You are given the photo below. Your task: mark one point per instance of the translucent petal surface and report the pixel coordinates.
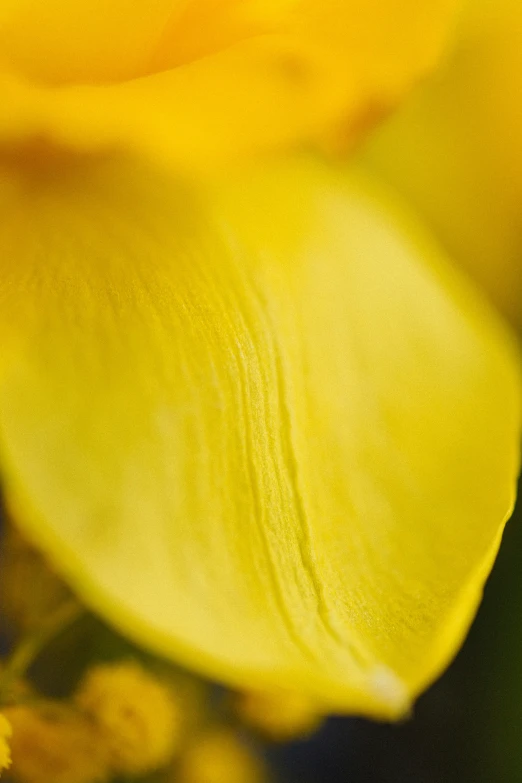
(263, 429)
(456, 150)
(204, 80)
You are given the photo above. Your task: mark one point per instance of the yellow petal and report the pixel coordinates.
(204, 81)
(456, 150)
(101, 42)
(263, 429)
(85, 41)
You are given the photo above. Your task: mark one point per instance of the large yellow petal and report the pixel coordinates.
(202, 81)
(456, 149)
(263, 428)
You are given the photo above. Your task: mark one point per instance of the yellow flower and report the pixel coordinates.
(255, 418)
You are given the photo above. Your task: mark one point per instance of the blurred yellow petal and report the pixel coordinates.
(84, 41)
(206, 80)
(456, 150)
(262, 427)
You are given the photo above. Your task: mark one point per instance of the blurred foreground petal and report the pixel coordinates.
(205, 81)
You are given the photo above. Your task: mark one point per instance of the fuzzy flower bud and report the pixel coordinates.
(52, 743)
(136, 716)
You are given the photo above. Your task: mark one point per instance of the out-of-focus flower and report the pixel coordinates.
(218, 756)
(455, 149)
(136, 716)
(255, 418)
(54, 743)
(278, 715)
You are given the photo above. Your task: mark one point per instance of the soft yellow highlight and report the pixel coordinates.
(135, 715)
(200, 82)
(456, 150)
(278, 715)
(5, 751)
(262, 427)
(218, 757)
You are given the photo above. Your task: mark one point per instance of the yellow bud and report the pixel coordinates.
(53, 744)
(136, 716)
(5, 733)
(219, 757)
(278, 715)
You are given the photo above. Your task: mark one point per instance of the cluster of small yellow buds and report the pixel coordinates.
(218, 756)
(52, 742)
(5, 733)
(279, 716)
(122, 721)
(136, 717)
